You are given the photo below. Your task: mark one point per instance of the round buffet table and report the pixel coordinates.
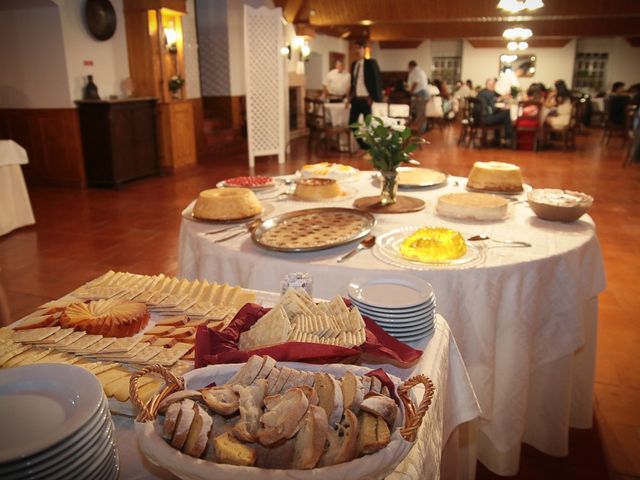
(15, 207)
(524, 318)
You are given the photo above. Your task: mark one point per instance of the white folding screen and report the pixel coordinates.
(264, 78)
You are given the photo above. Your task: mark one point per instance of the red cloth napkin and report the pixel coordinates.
(215, 347)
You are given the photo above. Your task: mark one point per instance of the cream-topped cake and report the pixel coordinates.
(337, 171)
(226, 204)
(495, 177)
(475, 206)
(317, 189)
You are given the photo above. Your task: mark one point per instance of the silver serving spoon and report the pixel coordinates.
(250, 227)
(367, 242)
(476, 238)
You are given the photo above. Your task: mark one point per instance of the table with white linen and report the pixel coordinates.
(15, 207)
(524, 319)
(454, 404)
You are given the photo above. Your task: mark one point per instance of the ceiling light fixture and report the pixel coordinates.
(523, 45)
(517, 33)
(512, 46)
(366, 22)
(515, 6)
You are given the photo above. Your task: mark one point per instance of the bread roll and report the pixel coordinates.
(311, 439)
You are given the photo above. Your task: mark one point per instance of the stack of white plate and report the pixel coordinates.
(403, 305)
(55, 424)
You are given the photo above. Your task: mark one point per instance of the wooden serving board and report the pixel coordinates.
(403, 204)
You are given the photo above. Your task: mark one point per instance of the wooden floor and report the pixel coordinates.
(82, 233)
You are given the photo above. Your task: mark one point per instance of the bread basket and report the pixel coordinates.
(377, 465)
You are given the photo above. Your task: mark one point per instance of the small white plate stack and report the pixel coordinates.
(55, 425)
(403, 305)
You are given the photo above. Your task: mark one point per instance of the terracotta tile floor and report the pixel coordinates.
(81, 234)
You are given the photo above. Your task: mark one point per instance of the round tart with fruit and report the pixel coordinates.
(257, 182)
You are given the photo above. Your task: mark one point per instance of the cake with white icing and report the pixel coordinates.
(495, 177)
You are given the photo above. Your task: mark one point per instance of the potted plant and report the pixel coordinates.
(390, 143)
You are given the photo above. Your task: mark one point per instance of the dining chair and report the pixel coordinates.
(567, 133)
(527, 126)
(475, 106)
(616, 123)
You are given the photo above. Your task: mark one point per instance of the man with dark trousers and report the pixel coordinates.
(488, 114)
(366, 87)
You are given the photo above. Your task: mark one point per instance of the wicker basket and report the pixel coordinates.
(372, 466)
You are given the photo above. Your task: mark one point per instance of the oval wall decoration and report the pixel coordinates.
(101, 19)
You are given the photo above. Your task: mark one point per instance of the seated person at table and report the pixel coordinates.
(447, 104)
(488, 114)
(399, 94)
(337, 83)
(558, 104)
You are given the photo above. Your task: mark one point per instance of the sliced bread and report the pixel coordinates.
(352, 392)
(311, 439)
(329, 396)
(381, 406)
(183, 424)
(170, 419)
(250, 405)
(282, 419)
(231, 451)
(343, 442)
(198, 436)
(249, 371)
(223, 400)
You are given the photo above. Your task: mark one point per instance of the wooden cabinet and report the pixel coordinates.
(119, 140)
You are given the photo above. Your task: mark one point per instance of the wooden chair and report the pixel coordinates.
(466, 122)
(477, 125)
(568, 132)
(633, 136)
(321, 132)
(528, 123)
(616, 118)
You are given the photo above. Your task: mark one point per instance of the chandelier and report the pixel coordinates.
(515, 6)
(517, 33)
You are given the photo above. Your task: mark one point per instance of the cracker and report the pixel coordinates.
(146, 354)
(169, 356)
(34, 335)
(56, 337)
(69, 339)
(27, 357)
(6, 356)
(122, 345)
(272, 329)
(82, 343)
(97, 346)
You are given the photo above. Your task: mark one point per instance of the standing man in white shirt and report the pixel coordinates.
(419, 95)
(337, 83)
(366, 87)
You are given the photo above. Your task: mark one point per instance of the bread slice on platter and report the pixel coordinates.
(249, 371)
(311, 439)
(329, 396)
(198, 436)
(343, 441)
(183, 424)
(250, 405)
(352, 391)
(382, 406)
(282, 419)
(230, 450)
(170, 420)
(223, 400)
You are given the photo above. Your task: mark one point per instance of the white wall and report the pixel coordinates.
(396, 59)
(33, 72)
(623, 66)
(189, 34)
(110, 59)
(552, 64)
(321, 45)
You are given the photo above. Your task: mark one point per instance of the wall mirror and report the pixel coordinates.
(513, 62)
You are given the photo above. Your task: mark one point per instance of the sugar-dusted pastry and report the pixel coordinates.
(226, 204)
(110, 318)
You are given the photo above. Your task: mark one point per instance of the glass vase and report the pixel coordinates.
(389, 190)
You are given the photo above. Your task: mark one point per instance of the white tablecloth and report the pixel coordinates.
(525, 319)
(15, 207)
(454, 404)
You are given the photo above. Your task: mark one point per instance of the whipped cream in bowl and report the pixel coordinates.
(559, 205)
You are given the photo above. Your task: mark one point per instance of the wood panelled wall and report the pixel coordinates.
(52, 139)
(229, 110)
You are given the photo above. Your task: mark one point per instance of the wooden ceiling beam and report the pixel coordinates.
(627, 26)
(344, 12)
(533, 42)
(400, 44)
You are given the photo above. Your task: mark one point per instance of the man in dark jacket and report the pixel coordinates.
(489, 114)
(366, 86)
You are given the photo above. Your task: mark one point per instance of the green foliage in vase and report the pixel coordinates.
(390, 142)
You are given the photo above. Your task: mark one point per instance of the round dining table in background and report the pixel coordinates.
(15, 207)
(524, 318)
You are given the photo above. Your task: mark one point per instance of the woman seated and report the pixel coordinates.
(447, 103)
(558, 107)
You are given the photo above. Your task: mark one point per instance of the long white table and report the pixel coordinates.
(524, 318)
(431, 457)
(15, 207)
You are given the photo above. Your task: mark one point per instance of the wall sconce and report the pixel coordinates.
(171, 39)
(515, 6)
(286, 51)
